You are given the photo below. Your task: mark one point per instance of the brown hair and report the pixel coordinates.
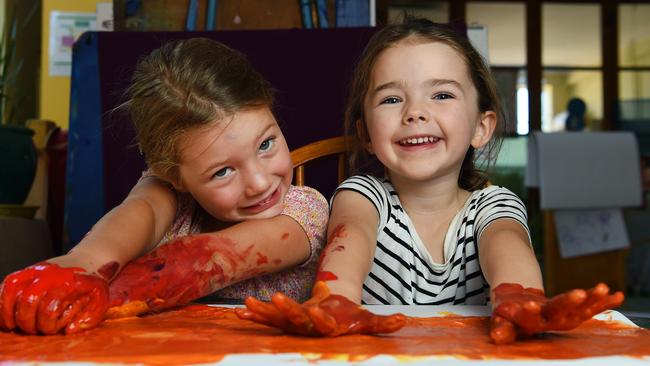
(422, 30)
(184, 85)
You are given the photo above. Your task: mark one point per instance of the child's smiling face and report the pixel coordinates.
(421, 111)
(239, 168)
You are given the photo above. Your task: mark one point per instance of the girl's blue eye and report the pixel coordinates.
(442, 96)
(390, 100)
(267, 145)
(222, 173)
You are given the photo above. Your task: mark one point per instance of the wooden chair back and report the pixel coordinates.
(316, 150)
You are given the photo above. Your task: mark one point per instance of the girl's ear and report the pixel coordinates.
(362, 135)
(177, 183)
(484, 129)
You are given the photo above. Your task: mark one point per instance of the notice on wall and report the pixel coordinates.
(583, 232)
(65, 29)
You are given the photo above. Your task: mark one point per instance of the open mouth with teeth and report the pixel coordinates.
(421, 140)
(268, 202)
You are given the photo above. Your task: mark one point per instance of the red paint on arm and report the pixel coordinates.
(338, 232)
(285, 236)
(108, 270)
(326, 276)
(262, 259)
(177, 273)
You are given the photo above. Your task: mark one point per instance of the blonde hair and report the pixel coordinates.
(185, 85)
(422, 30)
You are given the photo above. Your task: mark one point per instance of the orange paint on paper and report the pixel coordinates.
(202, 334)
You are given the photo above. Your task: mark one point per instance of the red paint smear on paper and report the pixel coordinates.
(326, 276)
(108, 270)
(202, 334)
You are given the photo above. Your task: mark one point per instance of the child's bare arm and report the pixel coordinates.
(195, 266)
(351, 243)
(520, 307)
(345, 263)
(126, 232)
(70, 293)
(506, 255)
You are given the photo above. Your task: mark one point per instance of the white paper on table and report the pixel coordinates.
(582, 232)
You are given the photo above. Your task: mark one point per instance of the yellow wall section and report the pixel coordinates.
(54, 104)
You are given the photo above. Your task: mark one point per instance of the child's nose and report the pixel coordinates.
(415, 112)
(258, 181)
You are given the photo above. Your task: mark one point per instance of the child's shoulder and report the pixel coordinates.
(304, 196)
(304, 191)
(310, 209)
(494, 191)
(365, 180)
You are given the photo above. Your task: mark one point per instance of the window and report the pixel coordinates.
(634, 62)
(572, 78)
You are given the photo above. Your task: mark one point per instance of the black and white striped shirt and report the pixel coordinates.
(403, 271)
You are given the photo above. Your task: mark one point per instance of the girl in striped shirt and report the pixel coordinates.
(429, 229)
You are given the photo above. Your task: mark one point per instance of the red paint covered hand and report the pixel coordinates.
(322, 315)
(173, 274)
(45, 298)
(524, 312)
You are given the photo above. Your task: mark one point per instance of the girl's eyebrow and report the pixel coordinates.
(438, 82)
(430, 82)
(388, 85)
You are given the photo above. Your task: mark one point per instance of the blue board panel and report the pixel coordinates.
(84, 196)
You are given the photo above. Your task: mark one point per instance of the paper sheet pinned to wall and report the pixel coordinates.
(65, 29)
(581, 170)
(583, 232)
